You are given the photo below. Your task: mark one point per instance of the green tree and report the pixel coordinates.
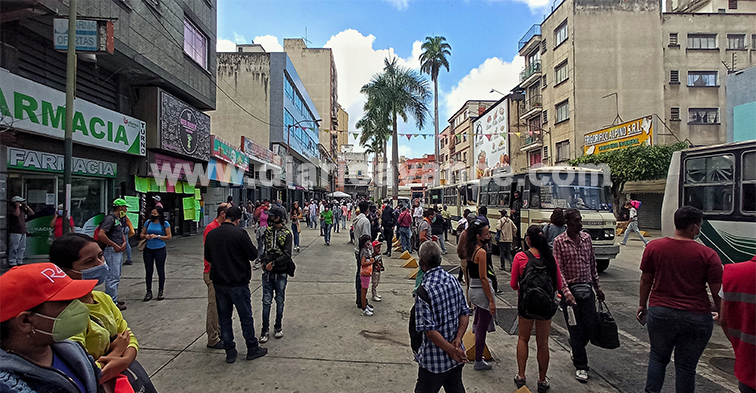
(398, 92)
(434, 56)
(374, 125)
(636, 163)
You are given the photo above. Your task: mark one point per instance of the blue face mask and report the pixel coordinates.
(95, 273)
(60, 213)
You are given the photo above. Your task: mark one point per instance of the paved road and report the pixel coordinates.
(329, 347)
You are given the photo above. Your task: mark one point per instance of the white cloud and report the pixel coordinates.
(399, 4)
(269, 43)
(494, 73)
(534, 4)
(225, 46)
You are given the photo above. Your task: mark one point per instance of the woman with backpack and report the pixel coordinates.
(156, 231)
(536, 277)
(480, 292)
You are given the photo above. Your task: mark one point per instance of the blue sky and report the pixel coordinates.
(483, 35)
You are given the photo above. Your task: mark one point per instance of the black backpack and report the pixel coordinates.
(416, 338)
(537, 291)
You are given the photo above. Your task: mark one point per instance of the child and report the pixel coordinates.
(377, 269)
(366, 271)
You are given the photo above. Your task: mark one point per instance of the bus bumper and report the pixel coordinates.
(606, 251)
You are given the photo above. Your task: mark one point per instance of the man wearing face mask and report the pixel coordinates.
(57, 223)
(112, 235)
(229, 251)
(276, 258)
(39, 312)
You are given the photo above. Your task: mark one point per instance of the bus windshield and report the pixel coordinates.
(587, 196)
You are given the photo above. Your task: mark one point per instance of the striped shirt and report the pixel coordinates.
(442, 315)
(576, 260)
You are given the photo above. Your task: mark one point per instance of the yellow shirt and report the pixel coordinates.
(105, 322)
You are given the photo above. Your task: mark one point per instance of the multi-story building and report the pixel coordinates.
(158, 62)
(460, 164)
(444, 149)
(342, 136)
(417, 170)
(264, 100)
(741, 105)
(354, 178)
(594, 65)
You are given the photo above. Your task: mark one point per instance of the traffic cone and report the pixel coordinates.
(398, 248)
(410, 263)
(469, 340)
(405, 255)
(412, 276)
(396, 243)
(394, 239)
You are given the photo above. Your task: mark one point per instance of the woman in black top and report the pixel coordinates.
(481, 292)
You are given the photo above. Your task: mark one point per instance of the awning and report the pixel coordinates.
(339, 194)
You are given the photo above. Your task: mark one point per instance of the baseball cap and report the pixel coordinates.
(120, 202)
(376, 243)
(157, 198)
(28, 286)
(17, 199)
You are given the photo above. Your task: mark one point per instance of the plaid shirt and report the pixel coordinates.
(576, 261)
(442, 315)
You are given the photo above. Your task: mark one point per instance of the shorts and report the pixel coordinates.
(365, 281)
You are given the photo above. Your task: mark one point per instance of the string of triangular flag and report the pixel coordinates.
(426, 135)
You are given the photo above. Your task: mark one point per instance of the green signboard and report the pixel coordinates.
(31, 160)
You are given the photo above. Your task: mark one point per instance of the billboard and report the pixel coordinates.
(631, 133)
(491, 140)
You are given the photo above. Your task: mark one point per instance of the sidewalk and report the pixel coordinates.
(327, 347)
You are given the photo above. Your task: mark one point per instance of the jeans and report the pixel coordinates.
(505, 253)
(404, 237)
(685, 332)
(580, 334)
(273, 282)
(295, 232)
(127, 253)
(441, 242)
(314, 222)
(16, 248)
(114, 261)
(154, 258)
(451, 381)
(357, 283)
(322, 225)
(343, 222)
(327, 232)
(211, 321)
(336, 225)
(633, 226)
(226, 298)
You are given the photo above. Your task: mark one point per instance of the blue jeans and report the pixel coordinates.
(336, 225)
(295, 232)
(16, 248)
(327, 232)
(404, 237)
(314, 222)
(343, 222)
(226, 298)
(441, 242)
(685, 332)
(127, 253)
(273, 282)
(114, 260)
(633, 227)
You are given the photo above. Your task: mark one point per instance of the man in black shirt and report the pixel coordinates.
(388, 222)
(229, 251)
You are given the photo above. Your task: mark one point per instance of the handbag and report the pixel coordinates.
(581, 291)
(142, 245)
(138, 378)
(605, 334)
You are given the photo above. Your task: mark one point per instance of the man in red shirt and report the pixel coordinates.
(738, 319)
(675, 273)
(211, 322)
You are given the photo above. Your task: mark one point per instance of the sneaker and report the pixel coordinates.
(376, 298)
(581, 375)
(519, 382)
(370, 307)
(128, 263)
(218, 345)
(160, 295)
(257, 354)
(231, 355)
(121, 307)
(279, 334)
(482, 365)
(120, 302)
(148, 297)
(264, 336)
(543, 386)
(366, 312)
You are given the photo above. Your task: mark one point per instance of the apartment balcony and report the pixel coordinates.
(531, 74)
(531, 140)
(531, 106)
(531, 39)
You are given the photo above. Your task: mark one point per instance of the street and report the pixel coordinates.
(329, 347)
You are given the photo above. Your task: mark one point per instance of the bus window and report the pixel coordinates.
(472, 192)
(748, 190)
(577, 194)
(709, 183)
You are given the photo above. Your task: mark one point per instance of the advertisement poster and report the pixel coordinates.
(41, 236)
(631, 133)
(491, 141)
(183, 129)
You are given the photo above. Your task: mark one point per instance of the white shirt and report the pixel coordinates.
(462, 223)
(418, 212)
(633, 214)
(322, 208)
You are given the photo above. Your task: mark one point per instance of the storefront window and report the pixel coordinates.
(86, 199)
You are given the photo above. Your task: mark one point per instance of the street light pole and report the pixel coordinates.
(288, 155)
(70, 95)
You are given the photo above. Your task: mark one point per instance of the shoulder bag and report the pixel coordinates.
(606, 334)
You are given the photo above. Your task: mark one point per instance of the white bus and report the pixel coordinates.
(721, 181)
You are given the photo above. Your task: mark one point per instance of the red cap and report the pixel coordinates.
(25, 287)
(376, 243)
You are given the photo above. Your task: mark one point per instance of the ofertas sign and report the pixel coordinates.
(34, 107)
(91, 35)
(31, 160)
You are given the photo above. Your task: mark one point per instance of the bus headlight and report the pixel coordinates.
(608, 234)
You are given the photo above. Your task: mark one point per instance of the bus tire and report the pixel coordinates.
(602, 264)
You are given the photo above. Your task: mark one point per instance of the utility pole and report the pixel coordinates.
(70, 95)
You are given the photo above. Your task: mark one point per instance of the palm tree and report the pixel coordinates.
(435, 51)
(397, 92)
(375, 132)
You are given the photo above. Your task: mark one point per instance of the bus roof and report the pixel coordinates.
(721, 146)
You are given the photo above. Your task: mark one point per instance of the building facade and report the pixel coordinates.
(741, 105)
(459, 167)
(417, 170)
(444, 149)
(115, 141)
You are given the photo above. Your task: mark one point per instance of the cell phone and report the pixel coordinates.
(642, 318)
